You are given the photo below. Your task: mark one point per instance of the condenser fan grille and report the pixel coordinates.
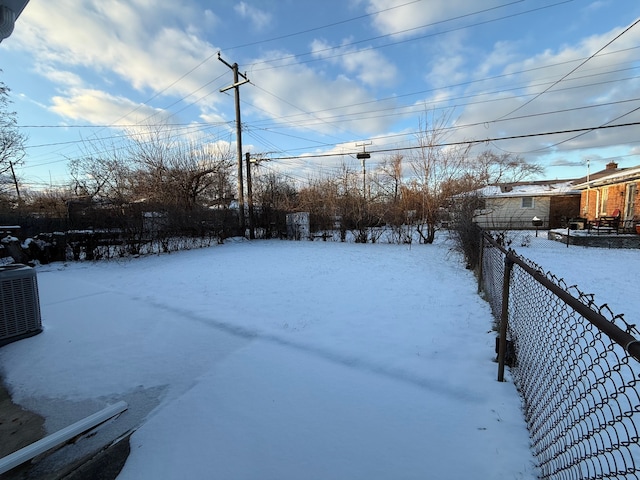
(19, 303)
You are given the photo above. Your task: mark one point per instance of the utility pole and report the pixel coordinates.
(236, 84)
(15, 180)
(252, 231)
(586, 214)
(363, 156)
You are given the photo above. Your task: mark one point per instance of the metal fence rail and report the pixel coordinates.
(575, 364)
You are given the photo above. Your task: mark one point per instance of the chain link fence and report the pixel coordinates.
(575, 364)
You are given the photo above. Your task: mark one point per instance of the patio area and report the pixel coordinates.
(595, 237)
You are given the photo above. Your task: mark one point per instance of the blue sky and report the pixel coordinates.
(326, 76)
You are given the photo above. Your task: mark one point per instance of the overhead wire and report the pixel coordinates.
(277, 122)
(193, 127)
(114, 124)
(209, 57)
(393, 43)
(308, 113)
(374, 101)
(470, 142)
(565, 76)
(400, 110)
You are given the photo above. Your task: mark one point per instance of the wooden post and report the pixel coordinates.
(252, 231)
(480, 261)
(504, 317)
(15, 181)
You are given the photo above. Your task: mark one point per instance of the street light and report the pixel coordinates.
(10, 10)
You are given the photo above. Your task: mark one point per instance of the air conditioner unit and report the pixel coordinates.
(19, 303)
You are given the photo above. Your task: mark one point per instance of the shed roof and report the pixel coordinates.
(543, 188)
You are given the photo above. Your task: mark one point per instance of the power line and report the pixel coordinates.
(323, 27)
(194, 127)
(405, 110)
(209, 57)
(467, 142)
(572, 70)
(298, 123)
(305, 113)
(146, 102)
(392, 150)
(447, 20)
(329, 120)
(188, 127)
(397, 42)
(378, 100)
(588, 131)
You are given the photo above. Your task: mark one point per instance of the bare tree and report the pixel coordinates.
(12, 143)
(435, 167)
(352, 205)
(491, 168)
(157, 167)
(390, 178)
(488, 168)
(107, 178)
(179, 172)
(395, 211)
(273, 197)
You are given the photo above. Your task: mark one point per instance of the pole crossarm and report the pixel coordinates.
(235, 85)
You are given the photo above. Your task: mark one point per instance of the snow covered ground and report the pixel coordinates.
(611, 274)
(288, 360)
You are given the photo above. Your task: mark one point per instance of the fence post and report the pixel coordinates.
(480, 262)
(504, 316)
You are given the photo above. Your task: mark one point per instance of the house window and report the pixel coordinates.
(630, 203)
(604, 196)
(527, 202)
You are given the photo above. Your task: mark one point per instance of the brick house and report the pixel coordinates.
(609, 191)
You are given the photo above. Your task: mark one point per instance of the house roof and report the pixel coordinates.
(608, 177)
(542, 188)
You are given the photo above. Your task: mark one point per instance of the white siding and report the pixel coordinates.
(509, 213)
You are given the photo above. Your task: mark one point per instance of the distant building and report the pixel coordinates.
(609, 191)
(514, 205)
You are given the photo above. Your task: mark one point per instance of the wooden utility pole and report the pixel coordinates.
(252, 231)
(15, 180)
(236, 84)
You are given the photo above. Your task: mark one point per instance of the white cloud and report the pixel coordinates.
(597, 5)
(408, 16)
(334, 100)
(369, 66)
(59, 76)
(578, 99)
(502, 55)
(120, 37)
(258, 18)
(101, 108)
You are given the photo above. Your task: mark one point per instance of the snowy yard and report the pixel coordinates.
(288, 360)
(611, 274)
